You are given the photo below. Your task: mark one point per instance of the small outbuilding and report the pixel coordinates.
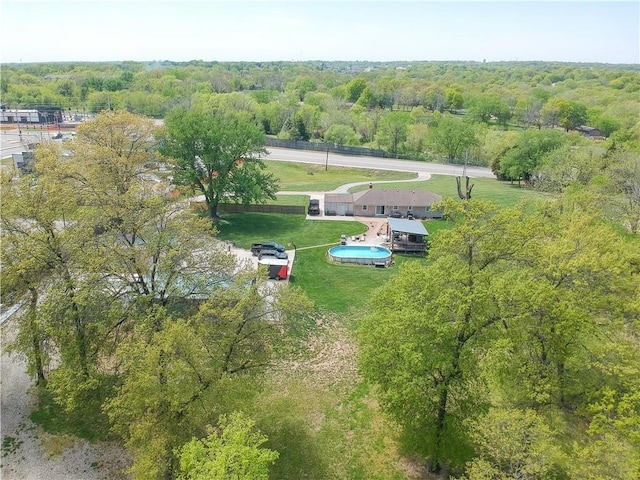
(407, 236)
(590, 132)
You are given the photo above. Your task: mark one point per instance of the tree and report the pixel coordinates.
(26, 263)
(527, 111)
(488, 107)
(144, 247)
(552, 110)
(39, 243)
(299, 129)
(511, 444)
(494, 146)
(568, 165)
(514, 309)
(450, 137)
(573, 115)
(177, 373)
(46, 242)
(233, 450)
(454, 99)
(219, 156)
(419, 349)
(624, 175)
(367, 98)
(572, 290)
(528, 154)
(569, 115)
(341, 134)
(392, 131)
(355, 88)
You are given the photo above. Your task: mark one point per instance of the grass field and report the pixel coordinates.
(503, 194)
(344, 288)
(297, 177)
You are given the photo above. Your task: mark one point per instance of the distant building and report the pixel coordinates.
(40, 115)
(58, 77)
(589, 131)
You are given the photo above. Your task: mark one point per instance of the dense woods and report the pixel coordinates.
(392, 106)
(511, 352)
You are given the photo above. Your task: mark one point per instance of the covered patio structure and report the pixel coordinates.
(407, 236)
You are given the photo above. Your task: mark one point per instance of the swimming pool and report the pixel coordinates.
(361, 254)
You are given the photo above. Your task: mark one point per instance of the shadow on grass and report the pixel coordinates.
(300, 457)
(88, 422)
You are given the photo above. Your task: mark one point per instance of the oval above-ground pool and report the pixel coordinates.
(361, 254)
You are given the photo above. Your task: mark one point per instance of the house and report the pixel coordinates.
(407, 236)
(591, 132)
(380, 202)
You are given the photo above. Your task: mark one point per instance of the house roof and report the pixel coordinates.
(383, 196)
(407, 226)
(338, 198)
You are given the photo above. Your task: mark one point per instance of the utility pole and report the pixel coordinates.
(326, 161)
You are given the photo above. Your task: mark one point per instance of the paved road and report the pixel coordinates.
(306, 156)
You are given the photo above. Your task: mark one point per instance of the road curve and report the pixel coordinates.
(334, 159)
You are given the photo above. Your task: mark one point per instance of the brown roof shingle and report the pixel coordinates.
(383, 196)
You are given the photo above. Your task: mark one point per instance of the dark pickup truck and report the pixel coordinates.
(314, 207)
(256, 248)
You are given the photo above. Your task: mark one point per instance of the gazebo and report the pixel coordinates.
(407, 236)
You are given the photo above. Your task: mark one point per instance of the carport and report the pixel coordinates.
(407, 236)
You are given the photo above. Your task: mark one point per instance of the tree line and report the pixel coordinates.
(513, 353)
(391, 106)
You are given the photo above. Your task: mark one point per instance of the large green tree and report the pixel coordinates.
(179, 375)
(421, 341)
(528, 154)
(450, 137)
(489, 107)
(219, 155)
(392, 131)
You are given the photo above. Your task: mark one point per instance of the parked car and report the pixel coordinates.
(269, 252)
(256, 248)
(314, 207)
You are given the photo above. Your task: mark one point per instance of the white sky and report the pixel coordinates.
(239, 30)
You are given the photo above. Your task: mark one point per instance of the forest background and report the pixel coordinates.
(551, 378)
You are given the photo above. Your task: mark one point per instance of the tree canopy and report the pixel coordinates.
(219, 155)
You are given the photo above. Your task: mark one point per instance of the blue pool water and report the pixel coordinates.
(359, 251)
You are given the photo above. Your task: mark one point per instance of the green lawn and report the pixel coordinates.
(298, 177)
(503, 194)
(335, 287)
(243, 229)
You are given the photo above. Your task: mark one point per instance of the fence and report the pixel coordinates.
(239, 208)
(323, 147)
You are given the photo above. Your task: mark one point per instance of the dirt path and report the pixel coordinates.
(28, 453)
